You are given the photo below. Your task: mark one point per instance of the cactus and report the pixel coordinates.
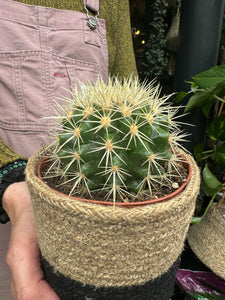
(118, 139)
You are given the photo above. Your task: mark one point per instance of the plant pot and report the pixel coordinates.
(207, 239)
(99, 251)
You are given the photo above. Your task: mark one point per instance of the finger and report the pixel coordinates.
(27, 276)
(23, 256)
(41, 291)
(24, 261)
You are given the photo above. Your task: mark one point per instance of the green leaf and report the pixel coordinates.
(220, 156)
(198, 149)
(219, 89)
(198, 99)
(210, 179)
(207, 296)
(211, 297)
(216, 129)
(196, 220)
(211, 85)
(180, 96)
(210, 77)
(206, 106)
(197, 297)
(208, 191)
(207, 284)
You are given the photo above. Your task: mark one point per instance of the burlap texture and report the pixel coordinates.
(207, 239)
(110, 246)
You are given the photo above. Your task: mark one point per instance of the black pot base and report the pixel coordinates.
(160, 288)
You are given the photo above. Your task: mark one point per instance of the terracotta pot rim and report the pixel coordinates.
(123, 204)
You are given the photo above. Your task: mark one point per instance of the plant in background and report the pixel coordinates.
(156, 57)
(208, 90)
(161, 36)
(118, 142)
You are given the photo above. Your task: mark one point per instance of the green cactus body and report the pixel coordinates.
(116, 139)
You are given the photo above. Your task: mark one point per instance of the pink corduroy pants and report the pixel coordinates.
(44, 53)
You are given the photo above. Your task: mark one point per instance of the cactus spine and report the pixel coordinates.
(116, 139)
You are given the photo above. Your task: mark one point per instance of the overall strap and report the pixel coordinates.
(92, 5)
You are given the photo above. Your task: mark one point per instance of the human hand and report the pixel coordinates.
(23, 255)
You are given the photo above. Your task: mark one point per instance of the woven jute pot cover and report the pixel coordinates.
(207, 239)
(108, 246)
